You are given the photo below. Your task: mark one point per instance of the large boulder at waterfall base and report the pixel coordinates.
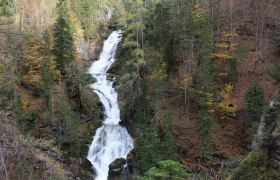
(116, 167)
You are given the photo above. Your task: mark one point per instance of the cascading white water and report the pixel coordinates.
(111, 140)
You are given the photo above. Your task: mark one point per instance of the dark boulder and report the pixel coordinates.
(87, 164)
(116, 167)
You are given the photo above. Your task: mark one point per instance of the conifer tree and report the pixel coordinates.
(46, 75)
(6, 8)
(255, 100)
(207, 121)
(168, 145)
(274, 72)
(64, 50)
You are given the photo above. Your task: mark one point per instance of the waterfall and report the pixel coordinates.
(111, 140)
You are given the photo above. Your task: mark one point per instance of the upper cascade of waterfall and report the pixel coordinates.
(111, 141)
(103, 87)
(107, 56)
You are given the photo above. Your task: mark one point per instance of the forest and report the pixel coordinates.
(139, 89)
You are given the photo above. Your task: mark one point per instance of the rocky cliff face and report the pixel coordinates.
(264, 159)
(268, 135)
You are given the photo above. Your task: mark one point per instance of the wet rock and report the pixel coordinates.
(83, 47)
(94, 52)
(88, 51)
(116, 167)
(125, 174)
(266, 126)
(87, 164)
(130, 158)
(268, 135)
(103, 34)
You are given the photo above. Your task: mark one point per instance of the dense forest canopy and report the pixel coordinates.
(197, 84)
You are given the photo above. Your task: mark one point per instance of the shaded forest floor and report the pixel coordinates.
(233, 136)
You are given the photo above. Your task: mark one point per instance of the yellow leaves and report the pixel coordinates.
(73, 18)
(229, 88)
(222, 55)
(227, 109)
(188, 77)
(198, 14)
(226, 51)
(210, 103)
(229, 35)
(150, 77)
(187, 83)
(140, 62)
(224, 105)
(25, 104)
(138, 52)
(56, 75)
(223, 45)
(228, 91)
(33, 61)
(211, 111)
(21, 7)
(32, 77)
(188, 80)
(223, 74)
(35, 79)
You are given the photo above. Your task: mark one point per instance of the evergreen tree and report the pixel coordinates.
(87, 12)
(168, 150)
(275, 73)
(147, 148)
(5, 7)
(147, 145)
(64, 49)
(46, 75)
(255, 100)
(207, 122)
(68, 123)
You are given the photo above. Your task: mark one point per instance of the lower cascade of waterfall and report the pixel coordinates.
(111, 140)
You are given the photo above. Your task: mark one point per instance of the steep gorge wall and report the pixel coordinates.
(263, 161)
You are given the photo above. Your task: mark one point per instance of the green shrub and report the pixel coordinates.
(167, 169)
(27, 119)
(275, 73)
(255, 101)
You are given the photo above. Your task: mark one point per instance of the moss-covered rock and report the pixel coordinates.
(264, 160)
(257, 165)
(116, 167)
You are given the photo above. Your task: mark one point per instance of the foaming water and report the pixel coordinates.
(111, 140)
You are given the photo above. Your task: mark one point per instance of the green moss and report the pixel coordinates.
(256, 165)
(254, 128)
